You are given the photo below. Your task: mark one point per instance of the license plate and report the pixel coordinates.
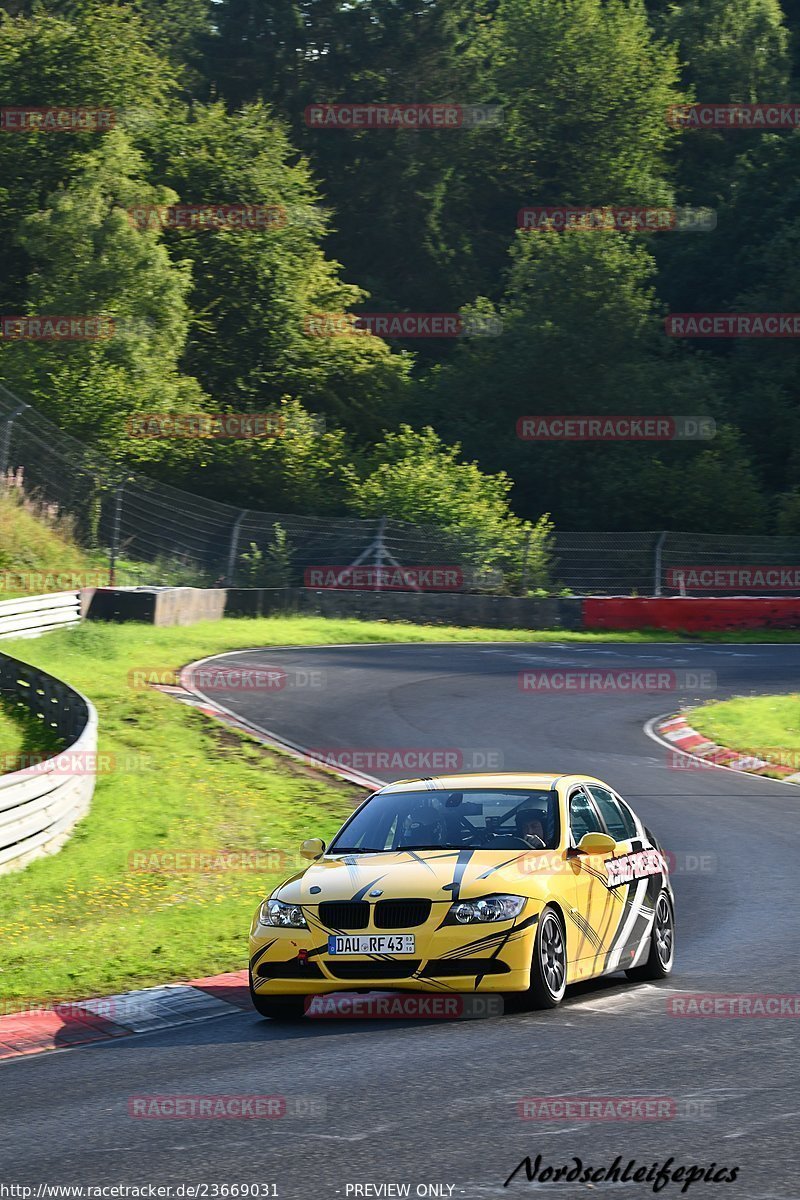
(370, 943)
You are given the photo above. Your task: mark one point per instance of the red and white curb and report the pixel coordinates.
(679, 733)
(59, 1025)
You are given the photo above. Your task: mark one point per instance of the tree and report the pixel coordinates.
(93, 55)
(413, 476)
(732, 49)
(88, 259)
(255, 291)
(581, 336)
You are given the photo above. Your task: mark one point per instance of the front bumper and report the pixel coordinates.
(491, 957)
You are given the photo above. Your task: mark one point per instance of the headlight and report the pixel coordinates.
(490, 908)
(275, 912)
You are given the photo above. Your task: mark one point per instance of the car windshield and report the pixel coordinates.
(476, 819)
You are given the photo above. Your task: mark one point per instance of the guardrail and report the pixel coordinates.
(28, 616)
(40, 805)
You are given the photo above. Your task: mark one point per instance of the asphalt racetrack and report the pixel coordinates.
(436, 1103)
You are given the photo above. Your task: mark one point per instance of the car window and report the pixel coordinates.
(582, 816)
(472, 818)
(618, 820)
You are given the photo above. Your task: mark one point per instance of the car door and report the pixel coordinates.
(597, 910)
(637, 896)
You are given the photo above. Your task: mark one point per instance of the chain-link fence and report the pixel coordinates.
(150, 532)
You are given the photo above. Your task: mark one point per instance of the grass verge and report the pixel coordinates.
(765, 726)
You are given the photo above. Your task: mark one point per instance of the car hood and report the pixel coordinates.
(445, 875)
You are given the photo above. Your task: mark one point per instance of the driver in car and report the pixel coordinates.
(531, 830)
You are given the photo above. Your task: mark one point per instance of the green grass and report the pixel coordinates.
(38, 544)
(766, 726)
(23, 739)
(11, 737)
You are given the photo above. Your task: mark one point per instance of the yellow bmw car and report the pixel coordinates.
(490, 883)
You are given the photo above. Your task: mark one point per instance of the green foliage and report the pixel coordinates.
(415, 477)
(209, 101)
(270, 567)
(88, 258)
(732, 49)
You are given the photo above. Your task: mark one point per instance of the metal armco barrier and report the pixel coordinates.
(40, 805)
(689, 614)
(29, 616)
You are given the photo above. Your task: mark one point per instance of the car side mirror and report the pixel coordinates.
(312, 848)
(596, 843)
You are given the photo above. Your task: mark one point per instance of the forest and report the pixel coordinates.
(212, 106)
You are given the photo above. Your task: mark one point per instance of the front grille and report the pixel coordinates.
(465, 966)
(372, 970)
(293, 969)
(351, 914)
(401, 914)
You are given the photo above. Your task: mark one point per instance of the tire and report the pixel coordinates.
(549, 963)
(278, 1008)
(662, 945)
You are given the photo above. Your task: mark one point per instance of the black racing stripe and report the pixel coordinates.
(500, 866)
(418, 858)
(629, 900)
(587, 930)
(361, 893)
(489, 939)
(454, 888)
(613, 906)
(256, 959)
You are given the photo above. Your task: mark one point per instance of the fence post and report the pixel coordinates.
(234, 547)
(112, 565)
(380, 553)
(526, 551)
(5, 446)
(657, 564)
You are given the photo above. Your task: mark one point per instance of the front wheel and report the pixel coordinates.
(549, 965)
(279, 1008)
(662, 945)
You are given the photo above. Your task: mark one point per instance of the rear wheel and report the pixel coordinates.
(549, 964)
(662, 945)
(279, 1008)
